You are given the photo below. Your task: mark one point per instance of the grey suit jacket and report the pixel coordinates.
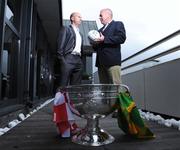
(66, 41)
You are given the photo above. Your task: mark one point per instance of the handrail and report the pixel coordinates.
(150, 47)
(154, 57)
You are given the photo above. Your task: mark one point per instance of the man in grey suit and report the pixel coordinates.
(108, 48)
(70, 51)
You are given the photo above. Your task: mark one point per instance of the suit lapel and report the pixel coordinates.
(107, 28)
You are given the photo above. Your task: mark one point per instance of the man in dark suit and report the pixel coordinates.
(108, 48)
(70, 51)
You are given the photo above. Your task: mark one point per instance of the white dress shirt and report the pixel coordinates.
(77, 48)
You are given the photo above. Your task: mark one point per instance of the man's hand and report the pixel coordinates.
(100, 39)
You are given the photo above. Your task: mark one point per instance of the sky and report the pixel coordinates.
(146, 21)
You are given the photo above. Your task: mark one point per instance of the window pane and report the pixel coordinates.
(9, 66)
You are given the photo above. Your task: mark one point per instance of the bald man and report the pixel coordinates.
(70, 51)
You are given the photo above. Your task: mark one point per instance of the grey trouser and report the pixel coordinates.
(71, 70)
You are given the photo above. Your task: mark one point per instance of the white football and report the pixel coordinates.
(93, 34)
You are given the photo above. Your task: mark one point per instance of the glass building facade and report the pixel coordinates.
(26, 58)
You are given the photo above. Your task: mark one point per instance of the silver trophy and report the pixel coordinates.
(94, 101)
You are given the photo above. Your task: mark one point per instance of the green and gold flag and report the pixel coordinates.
(129, 119)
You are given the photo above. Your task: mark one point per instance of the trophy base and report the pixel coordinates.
(92, 138)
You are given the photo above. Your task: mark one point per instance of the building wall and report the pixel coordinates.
(156, 88)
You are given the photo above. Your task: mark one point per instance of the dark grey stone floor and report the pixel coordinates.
(38, 132)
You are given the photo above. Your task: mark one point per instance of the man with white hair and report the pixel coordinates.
(108, 48)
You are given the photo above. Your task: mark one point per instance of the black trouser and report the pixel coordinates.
(71, 70)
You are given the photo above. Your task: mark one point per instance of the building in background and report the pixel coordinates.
(28, 44)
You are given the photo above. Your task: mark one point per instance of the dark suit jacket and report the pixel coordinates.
(109, 52)
(66, 41)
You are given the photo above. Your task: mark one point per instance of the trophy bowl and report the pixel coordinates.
(94, 101)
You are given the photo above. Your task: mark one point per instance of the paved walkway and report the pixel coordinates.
(38, 132)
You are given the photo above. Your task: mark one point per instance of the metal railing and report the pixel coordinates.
(150, 47)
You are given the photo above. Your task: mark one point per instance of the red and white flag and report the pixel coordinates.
(63, 114)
